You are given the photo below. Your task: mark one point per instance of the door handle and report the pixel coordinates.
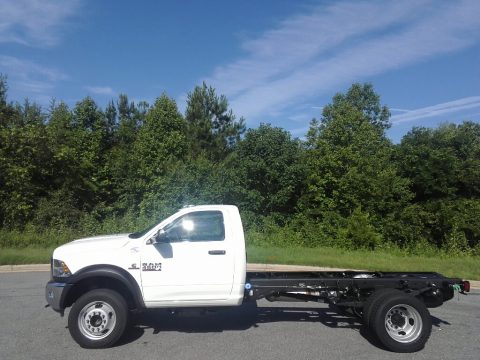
(217, 252)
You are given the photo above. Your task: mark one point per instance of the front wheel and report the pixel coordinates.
(401, 322)
(98, 319)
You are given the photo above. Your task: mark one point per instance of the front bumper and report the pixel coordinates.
(55, 293)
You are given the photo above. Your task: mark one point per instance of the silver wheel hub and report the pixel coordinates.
(403, 323)
(97, 320)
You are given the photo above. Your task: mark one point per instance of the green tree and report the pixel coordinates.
(90, 141)
(24, 163)
(442, 162)
(363, 98)
(128, 125)
(62, 205)
(350, 162)
(8, 113)
(212, 127)
(3, 90)
(267, 171)
(122, 166)
(443, 165)
(160, 143)
(111, 120)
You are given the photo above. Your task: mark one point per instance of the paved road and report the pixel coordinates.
(269, 331)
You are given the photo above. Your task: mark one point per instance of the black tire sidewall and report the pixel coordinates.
(115, 300)
(378, 323)
(373, 301)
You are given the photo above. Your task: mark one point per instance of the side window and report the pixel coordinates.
(197, 226)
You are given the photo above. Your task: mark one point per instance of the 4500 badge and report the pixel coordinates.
(151, 266)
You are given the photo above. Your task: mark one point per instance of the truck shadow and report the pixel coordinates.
(246, 316)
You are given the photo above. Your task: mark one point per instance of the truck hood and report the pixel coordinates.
(94, 244)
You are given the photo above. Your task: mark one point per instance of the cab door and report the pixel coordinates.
(192, 260)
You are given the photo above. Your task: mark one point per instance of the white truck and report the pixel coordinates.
(196, 258)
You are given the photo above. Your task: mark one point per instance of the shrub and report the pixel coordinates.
(359, 233)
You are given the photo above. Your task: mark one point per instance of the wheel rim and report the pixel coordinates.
(403, 323)
(97, 320)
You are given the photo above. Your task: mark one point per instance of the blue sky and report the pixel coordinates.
(276, 61)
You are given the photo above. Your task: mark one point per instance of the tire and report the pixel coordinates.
(98, 319)
(372, 302)
(401, 322)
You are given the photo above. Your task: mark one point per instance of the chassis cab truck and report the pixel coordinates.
(196, 258)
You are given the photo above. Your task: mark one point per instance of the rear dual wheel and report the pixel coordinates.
(400, 321)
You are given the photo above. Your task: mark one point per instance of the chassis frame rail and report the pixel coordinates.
(349, 288)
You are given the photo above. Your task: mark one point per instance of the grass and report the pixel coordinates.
(30, 255)
(465, 267)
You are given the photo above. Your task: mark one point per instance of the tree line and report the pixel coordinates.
(87, 169)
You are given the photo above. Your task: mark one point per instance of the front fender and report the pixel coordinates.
(101, 271)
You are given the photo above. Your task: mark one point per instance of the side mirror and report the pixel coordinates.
(160, 237)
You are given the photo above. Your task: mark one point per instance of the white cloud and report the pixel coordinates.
(24, 69)
(301, 38)
(100, 90)
(308, 55)
(437, 110)
(30, 77)
(35, 22)
(398, 110)
(470, 115)
(302, 117)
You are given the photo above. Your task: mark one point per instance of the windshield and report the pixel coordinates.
(139, 234)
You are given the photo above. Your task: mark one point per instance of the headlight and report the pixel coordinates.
(60, 269)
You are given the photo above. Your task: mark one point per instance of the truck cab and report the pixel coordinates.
(195, 257)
